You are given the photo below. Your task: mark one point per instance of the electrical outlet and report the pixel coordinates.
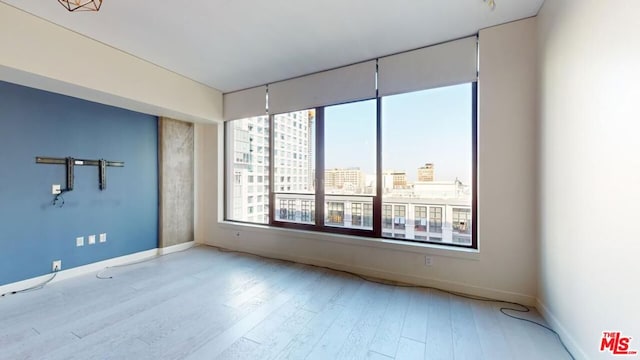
(80, 241)
(428, 261)
(56, 265)
(103, 237)
(55, 189)
(91, 239)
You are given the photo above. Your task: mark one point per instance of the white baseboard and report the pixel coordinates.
(409, 279)
(176, 248)
(566, 337)
(94, 267)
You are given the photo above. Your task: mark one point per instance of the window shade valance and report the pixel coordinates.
(345, 84)
(450, 63)
(445, 64)
(245, 103)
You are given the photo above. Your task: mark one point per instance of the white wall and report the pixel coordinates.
(42, 55)
(505, 267)
(590, 170)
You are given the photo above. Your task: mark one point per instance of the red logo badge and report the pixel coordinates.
(616, 343)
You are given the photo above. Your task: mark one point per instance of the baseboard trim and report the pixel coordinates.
(176, 248)
(410, 279)
(95, 267)
(566, 337)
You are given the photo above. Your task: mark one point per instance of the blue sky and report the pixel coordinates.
(425, 126)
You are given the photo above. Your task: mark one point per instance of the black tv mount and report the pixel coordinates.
(70, 163)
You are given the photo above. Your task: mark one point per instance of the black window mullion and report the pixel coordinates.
(377, 200)
(319, 176)
(272, 195)
(225, 167)
(474, 161)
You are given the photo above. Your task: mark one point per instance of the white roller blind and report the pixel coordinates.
(245, 103)
(450, 63)
(349, 83)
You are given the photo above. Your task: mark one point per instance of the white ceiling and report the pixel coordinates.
(235, 44)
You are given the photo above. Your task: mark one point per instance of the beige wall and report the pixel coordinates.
(42, 55)
(590, 170)
(208, 181)
(504, 268)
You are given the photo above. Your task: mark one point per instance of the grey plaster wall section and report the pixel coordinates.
(176, 181)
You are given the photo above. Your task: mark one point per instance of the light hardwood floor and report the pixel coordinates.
(206, 304)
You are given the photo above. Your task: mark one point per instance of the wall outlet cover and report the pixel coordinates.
(103, 237)
(428, 261)
(80, 241)
(92, 239)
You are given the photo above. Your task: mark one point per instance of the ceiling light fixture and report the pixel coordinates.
(81, 5)
(491, 3)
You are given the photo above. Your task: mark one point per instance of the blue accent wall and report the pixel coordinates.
(33, 233)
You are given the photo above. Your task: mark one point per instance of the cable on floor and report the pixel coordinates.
(150, 258)
(33, 288)
(98, 275)
(521, 308)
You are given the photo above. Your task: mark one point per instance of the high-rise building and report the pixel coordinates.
(350, 179)
(398, 179)
(293, 152)
(425, 173)
(250, 169)
(292, 156)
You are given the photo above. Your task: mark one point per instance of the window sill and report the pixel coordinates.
(396, 245)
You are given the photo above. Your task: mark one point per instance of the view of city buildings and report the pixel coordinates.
(425, 173)
(422, 209)
(293, 163)
(248, 189)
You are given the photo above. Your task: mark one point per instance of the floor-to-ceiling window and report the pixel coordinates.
(392, 158)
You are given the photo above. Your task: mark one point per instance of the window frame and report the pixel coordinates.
(356, 206)
(400, 217)
(335, 207)
(459, 217)
(318, 205)
(306, 211)
(417, 227)
(387, 216)
(441, 219)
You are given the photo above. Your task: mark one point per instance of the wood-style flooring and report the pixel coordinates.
(207, 304)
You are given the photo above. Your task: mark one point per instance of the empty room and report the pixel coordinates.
(409, 179)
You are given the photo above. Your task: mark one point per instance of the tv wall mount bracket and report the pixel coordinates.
(70, 163)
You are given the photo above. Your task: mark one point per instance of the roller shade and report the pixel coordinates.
(450, 63)
(245, 103)
(345, 84)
